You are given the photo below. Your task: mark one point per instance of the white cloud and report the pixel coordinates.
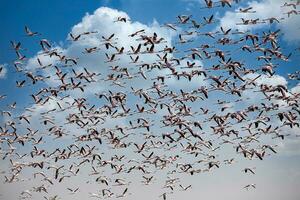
(296, 89)
(265, 9)
(103, 21)
(268, 80)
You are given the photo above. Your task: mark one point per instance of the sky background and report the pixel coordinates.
(277, 177)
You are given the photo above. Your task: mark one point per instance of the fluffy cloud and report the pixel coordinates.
(103, 22)
(265, 9)
(296, 89)
(268, 80)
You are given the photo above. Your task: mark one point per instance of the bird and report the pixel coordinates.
(185, 188)
(151, 103)
(29, 32)
(123, 194)
(247, 187)
(248, 170)
(247, 10)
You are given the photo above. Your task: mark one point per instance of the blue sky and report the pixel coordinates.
(55, 19)
(45, 15)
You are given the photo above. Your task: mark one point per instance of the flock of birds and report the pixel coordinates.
(164, 130)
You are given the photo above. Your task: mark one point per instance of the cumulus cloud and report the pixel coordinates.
(265, 9)
(296, 89)
(268, 80)
(103, 23)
